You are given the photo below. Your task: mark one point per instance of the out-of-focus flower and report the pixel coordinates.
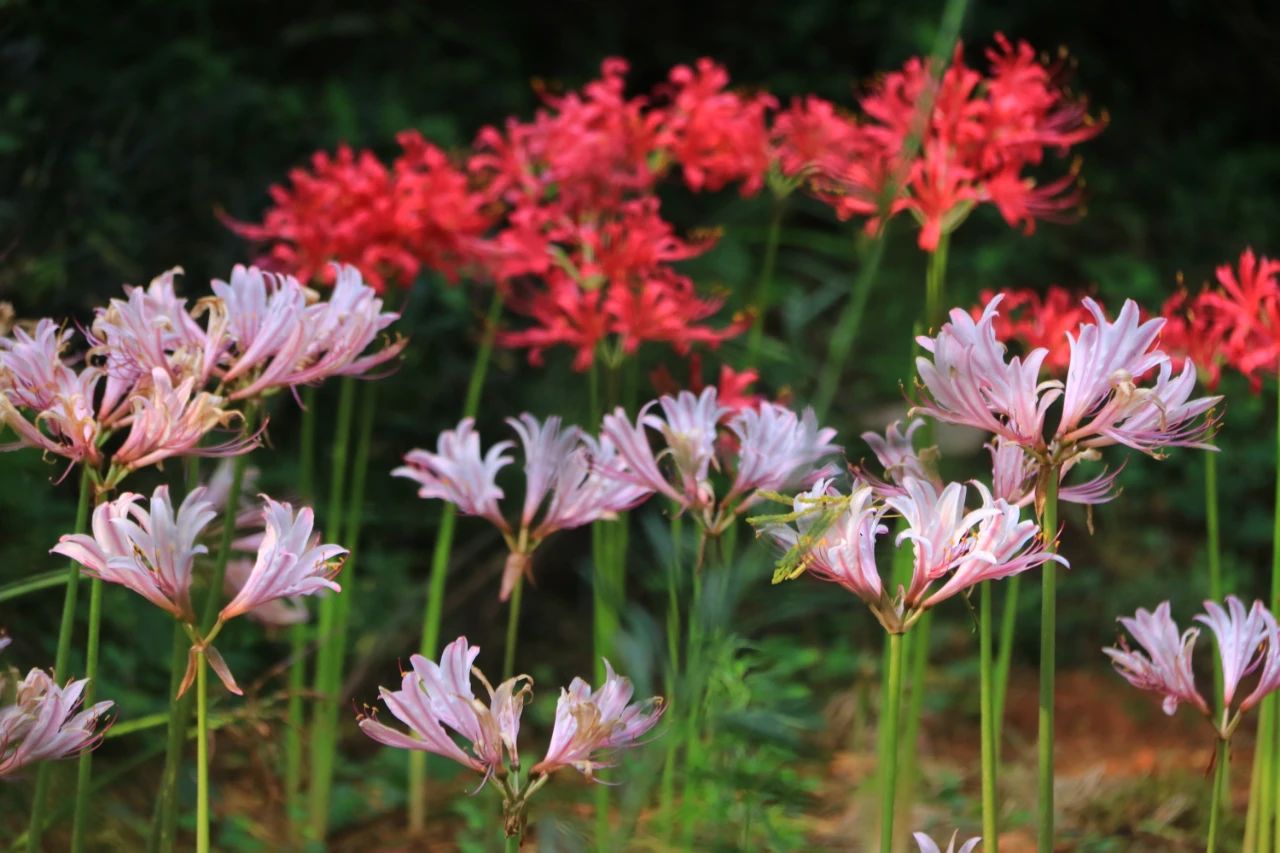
(589, 723)
(1038, 321)
(928, 845)
(733, 389)
(717, 136)
(435, 699)
(778, 449)
(150, 552)
(1163, 663)
(1246, 640)
(1238, 320)
(290, 562)
(42, 723)
(897, 455)
(1193, 332)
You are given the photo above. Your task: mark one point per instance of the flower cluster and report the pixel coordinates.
(154, 551)
(1119, 387)
(163, 375)
(832, 536)
(1235, 324)
(1248, 642)
(436, 702)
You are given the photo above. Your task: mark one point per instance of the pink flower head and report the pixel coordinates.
(1002, 544)
(150, 552)
(435, 699)
(897, 456)
(778, 449)
(688, 425)
(67, 426)
(1245, 641)
(842, 550)
(938, 528)
(582, 489)
(928, 845)
(276, 613)
(337, 330)
(42, 724)
(456, 472)
(151, 329)
(1162, 664)
(970, 382)
(289, 561)
(265, 319)
(168, 420)
(32, 370)
(590, 722)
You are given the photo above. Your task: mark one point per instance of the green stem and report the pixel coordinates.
(513, 628)
(668, 788)
(61, 659)
(440, 563)
(1217, 795)
(935, 284)
(344, 509)
(162, 832)
(84, 768)
(840, 344)
(693, 692)
(892, 706)
(202, 756)
(511, 843)
(1213, 547)
(296, 713)
(1004, 657)
(916, 653)
(1255, 781)
(990, 763)
(1048, 658)
(764, 284)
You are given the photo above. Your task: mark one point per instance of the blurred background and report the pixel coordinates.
(126, 129)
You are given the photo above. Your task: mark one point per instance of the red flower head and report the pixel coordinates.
(1193, 331)
(1246, 313)
(842, 165)
(716, 136)
(1032, 320)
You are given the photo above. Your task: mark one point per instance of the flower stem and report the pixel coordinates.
(202, 756)
(1217, 794)
(238, 466)
(891, 706)
(1004, 656)
(1048, 639)
(434, 609)
(513, 628)
(511, 843)
(296, 715)
(990, 762)
(668, 786)
(324, 736)
(84, 767)
(764, 284)
(61, 659)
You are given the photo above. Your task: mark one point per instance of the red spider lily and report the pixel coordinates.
(389, 223)
(717, 136)
(733, 386)
(1033, 320)
(1192, 332)
(1247, 308)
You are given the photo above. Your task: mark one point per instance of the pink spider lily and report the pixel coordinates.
(1015, 471)
(898, 457)
(1248, 643)
(290, 561)
(772, 448)
(276, 613)
(32, 370)
(42, 724)
(565, 483)
(436, 699)
(969, 381)
(589, 723)
(151, 552)
(66, 426)
(168, 421)
(833, 538)
(928, 845)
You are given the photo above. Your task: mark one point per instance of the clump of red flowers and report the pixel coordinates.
(1234, 324)
(1032, 320)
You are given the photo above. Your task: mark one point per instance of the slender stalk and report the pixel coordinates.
(1048, 639)
(324, 740)
(1217, 795)
(1255, 783)
(202, 756)
(513, 629)
(1214, 549)
(990, 763)
(434, 608)
(668, 785)
(889, 768)
(693, 691)
(1004, 657)
(84, 766)
(296, 714)
(61, 659)
(511, 843)
(764, 284)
